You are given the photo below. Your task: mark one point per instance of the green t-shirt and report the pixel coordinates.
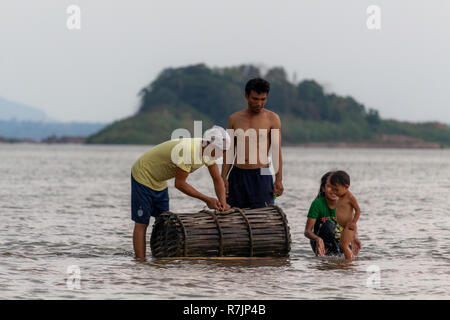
(320, 211)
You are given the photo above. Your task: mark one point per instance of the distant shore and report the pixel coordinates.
(347, 145)
(392, 142)
(383, 141)
(48, 140)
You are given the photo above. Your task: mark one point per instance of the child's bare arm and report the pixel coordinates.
(355, 206)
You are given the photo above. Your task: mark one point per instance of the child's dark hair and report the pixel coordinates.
(340, 177)
(323, 181)
(258, 85)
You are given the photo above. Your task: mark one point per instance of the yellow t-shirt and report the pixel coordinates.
(159, 164)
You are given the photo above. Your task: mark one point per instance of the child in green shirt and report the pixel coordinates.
(321, 226)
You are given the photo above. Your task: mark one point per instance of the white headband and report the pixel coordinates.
(218, 137)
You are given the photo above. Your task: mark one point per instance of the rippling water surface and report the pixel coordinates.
(65, 208)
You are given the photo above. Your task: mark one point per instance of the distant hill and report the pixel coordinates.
(10, 110)
(40, 130)
(309, 115)
(19, 121)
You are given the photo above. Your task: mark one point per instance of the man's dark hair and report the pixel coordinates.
(258, 85)
(340, 177)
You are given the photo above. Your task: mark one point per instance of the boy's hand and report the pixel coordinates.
(352, 226)
(356, 245)
(213, 203)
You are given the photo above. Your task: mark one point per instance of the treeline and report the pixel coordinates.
(219, 92)
(309, 114)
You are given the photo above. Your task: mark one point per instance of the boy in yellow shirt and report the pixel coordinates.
(173, 159)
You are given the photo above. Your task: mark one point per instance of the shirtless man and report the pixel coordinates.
(250, 183)
(345, 206)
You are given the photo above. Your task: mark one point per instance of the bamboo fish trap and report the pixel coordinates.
(262, 232)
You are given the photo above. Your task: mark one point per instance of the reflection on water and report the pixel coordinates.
(66, 208)
(335, 263)
(224, 262)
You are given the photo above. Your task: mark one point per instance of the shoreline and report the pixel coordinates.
(385, 142)
(381, 141)
(48, 140)
(362, 145)
(334, 145)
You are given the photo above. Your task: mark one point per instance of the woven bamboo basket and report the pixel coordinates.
(262, 232)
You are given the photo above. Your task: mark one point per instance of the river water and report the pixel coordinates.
(66, 232)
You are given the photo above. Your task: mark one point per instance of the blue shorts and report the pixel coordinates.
(146, 202)
(248, 188)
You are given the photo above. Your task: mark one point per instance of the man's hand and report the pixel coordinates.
(278, 188)
(213, 203)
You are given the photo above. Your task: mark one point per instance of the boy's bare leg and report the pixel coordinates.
(346, 239)
(139, 243)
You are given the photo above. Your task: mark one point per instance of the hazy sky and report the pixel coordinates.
(95, 74)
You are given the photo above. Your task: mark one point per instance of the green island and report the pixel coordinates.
(309, 115)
